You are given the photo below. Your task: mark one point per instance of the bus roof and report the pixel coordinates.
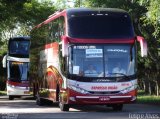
(82, 11)
(98, 10)
(94, 11)
(20, 38)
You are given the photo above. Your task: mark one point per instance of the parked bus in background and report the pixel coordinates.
(70, 43)
(17, 63)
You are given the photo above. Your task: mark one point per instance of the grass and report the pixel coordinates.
(3, 93)
(149, 99)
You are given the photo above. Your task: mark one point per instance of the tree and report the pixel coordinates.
(18, 17)
(151, 28)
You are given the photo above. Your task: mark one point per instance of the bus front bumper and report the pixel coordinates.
(102, 99)
(17, 91)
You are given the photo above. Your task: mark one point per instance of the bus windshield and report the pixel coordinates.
(102, 60)
(18, 71)
(19, 47)
(100, 27)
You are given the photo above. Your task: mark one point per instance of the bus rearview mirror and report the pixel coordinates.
(143, 45)
(4, 61)
(64, 46)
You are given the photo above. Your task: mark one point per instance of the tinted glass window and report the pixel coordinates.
(56, 30)
(19, 47)
(102, 27)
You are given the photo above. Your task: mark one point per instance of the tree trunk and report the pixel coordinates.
(157, 88)
(150, 88)
(144, 86)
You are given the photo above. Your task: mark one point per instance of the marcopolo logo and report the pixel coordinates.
(117, 50)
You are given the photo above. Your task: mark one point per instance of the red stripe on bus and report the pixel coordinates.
(22, 84)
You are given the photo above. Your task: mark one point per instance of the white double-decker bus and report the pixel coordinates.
(17, 63)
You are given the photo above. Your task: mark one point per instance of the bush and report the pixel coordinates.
(148, 99)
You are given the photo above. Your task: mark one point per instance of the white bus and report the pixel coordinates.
(17, 63)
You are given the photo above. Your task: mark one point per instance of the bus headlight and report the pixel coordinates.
(78, 89)
(128, 89)
(10, 85)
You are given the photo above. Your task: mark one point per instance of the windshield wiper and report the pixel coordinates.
(121, 74)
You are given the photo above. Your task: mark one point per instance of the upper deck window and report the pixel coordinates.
(103, 26)
(19, 47)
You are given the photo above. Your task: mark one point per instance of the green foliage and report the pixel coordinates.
(61, 4)
(26, 11)
(34, 12)
(149, 99)
(144, 98)
(3, 51)
(154, 16)
(18, 17)
(3, 93)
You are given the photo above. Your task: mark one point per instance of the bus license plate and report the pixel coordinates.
(104, 98)
(26, 92)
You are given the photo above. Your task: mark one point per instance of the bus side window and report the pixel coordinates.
(56, 30)
(53, 31)
(62, 61)
(61, 26)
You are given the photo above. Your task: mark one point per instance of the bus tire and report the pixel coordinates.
(117, 107)
(63, 107)
(11, 97)
(57, 93)
(39, 101)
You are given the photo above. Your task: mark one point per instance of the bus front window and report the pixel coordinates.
(86, 61)
(18, 71)
(102, 61)
(119, 60)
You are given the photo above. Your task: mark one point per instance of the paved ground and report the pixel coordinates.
(25, 108)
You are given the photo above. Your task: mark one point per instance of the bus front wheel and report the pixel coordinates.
(11, 97)
(117, 107)
(63, 107)
(39, 100)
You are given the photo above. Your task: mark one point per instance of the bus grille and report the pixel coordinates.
(104, 93)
